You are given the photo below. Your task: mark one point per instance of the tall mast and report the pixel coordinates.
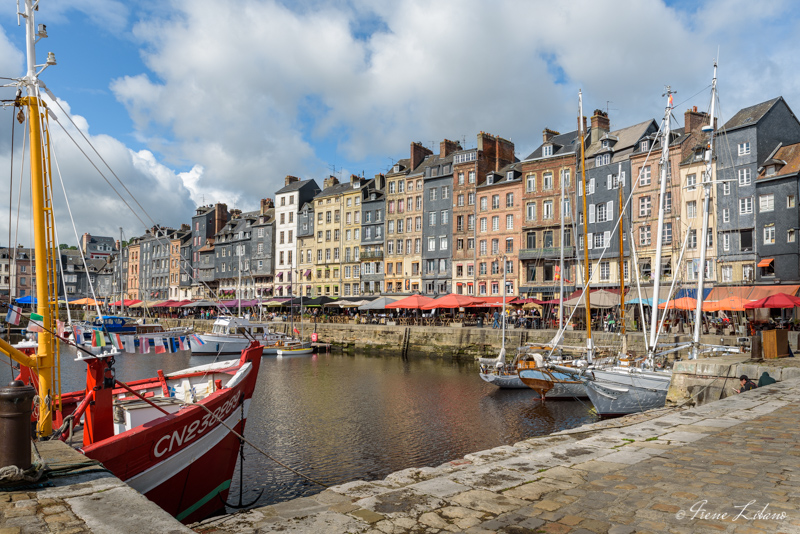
(119, 266)
(561, 259)
(586, 276)
(503, 318)
(660, 230)
(707, 178)
(42, 220)
(621, 253)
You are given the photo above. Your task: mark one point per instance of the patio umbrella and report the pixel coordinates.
(377, 304)
(683, 303)
(409, 303)
(779, 300)
(164, 304)
(200, 304)
(451, 301)
(127, 302)
(732, 303)
(85, 301)
(26, 300)
(532, 305)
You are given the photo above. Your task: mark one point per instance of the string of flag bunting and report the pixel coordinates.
(135, 344)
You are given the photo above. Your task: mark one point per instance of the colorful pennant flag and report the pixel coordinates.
(116, 339)
(197, 339)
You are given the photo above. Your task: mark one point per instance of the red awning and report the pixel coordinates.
(765, 262)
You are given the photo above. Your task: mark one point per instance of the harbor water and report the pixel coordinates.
(342, 417)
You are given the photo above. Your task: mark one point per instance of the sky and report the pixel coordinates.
(192, 102)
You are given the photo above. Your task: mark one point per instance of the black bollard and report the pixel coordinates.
(16, 401)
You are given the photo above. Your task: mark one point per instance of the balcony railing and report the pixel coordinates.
(544, 253)
(373, 255)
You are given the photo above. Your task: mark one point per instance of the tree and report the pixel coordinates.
(64, 246)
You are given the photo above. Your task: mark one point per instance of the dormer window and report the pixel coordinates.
(373, 196)
(510, 175)
(396, 168)
(547, 150)
(644, 146)
(490, 179)
(771, 170)
(606, 143)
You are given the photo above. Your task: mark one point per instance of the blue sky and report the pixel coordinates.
(203, 101)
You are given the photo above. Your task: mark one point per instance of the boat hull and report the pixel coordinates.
(219, 345)
(625, 392)
(503, 381)
(184, 461)
(555, 384)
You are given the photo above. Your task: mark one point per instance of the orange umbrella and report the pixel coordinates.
(732, 303)
(452, 300)
(410, 303)
(683, 303)
(84, 301)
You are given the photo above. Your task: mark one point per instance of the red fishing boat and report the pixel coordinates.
(175, 438)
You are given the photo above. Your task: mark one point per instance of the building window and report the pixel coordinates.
(691, 209)
(432, 217)
(530, 211)
(509, 245)
(691, 182)
(460, 200)
(509, 222)
(547, 209)
(431, 244)
(530, 183)
(605, 271)
(790, 235)
(766, 202)
(744, 149)
(547, 150)
(483, 224)
(645, 178)
(460, 178)
(645, 206)
(726, 242)
(744, 177)
(547, 181)
(667, 237)
(509, 200)
(644, 235)
(790, 201)
(727, 273)
(483, 248)
(692, 244)
(442, 243)
(726, 215)
(746, 206)
(726, 188)
(471, 199)
(769, 234)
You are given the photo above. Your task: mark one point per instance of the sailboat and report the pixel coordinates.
(295, 346)
(175, 437)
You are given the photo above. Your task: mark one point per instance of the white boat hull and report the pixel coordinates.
(503, 381)
(220, 345)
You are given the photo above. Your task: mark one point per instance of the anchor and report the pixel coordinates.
(241, 475)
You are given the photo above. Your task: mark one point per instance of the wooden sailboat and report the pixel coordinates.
(175, 437)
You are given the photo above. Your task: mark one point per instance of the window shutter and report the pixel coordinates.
(591, 241)
(591, 213)
(609, 182)
(606, 238)
(622, 179)
(591, 186)
(610, 210)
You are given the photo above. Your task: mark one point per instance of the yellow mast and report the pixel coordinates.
(44, 362)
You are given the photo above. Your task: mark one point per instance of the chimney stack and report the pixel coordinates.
(329, 182)
(694, 120)
(600, 125)
(447, 147)
(220, 216)
(290, 180)
(548, 134)
(418, 153)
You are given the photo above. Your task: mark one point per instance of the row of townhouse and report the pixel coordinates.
(463, 220)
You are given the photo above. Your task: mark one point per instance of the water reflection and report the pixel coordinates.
(343, 417)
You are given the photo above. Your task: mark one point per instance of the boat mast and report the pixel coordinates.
(239, 284)
(621, 257)
(586, 275)
(119, 266)
(503, 318)
(707, 179)
(42, 220)
(660, 230)
(561, 262)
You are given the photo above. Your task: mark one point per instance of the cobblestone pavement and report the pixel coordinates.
(728, 466)
(84, 499)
